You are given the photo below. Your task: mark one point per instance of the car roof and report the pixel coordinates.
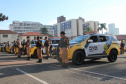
(100, 34)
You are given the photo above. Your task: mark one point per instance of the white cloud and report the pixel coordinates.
(52, 22)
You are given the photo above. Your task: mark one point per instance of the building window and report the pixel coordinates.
(5, 36)
(40, 37)
(35, 37)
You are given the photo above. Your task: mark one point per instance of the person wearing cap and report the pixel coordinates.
(39, 49)
(19, 48)
(28, 47)
(64, 44)
(46, 44)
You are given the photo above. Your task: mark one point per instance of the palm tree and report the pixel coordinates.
(44, 30)
(102, 26)
(89, 29)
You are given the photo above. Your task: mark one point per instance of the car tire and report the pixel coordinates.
(78, 58)
(112, 56)
(58, 55)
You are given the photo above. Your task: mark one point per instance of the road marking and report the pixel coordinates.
(79, 73)
(31, 76)
(95, 73)
(100, 74)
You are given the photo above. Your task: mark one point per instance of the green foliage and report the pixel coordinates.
(44, 30)
(102, 26)
(3, 17)
(89, 29)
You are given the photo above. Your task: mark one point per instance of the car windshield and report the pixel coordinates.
(43, 41)
(79, 39)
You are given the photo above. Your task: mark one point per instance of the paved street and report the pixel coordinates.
(21, 71)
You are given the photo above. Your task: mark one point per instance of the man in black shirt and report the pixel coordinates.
(24, 46)
(39, 50)
(122, 47)
(28, 47)
(64, 44)
(47, 47)
(8, 44)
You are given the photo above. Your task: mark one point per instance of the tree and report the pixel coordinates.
(44, 30)
(89, 29)
(3, 17)
(102, 26)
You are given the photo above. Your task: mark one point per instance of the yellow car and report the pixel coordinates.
(33, 50)
(93, 46)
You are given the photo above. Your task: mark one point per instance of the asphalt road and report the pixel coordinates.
(21, 71)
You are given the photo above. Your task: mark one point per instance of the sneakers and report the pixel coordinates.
(39, 61)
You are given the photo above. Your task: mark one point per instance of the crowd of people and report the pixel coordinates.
(63, 44)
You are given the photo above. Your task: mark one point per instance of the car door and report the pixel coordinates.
(93, 48)
(103, 47)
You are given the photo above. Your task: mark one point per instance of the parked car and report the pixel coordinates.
(53, 46)
(34, 49)
(93, 46)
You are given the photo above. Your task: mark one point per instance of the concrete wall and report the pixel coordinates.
(11, 37)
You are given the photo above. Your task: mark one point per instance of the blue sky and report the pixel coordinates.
(47, 11)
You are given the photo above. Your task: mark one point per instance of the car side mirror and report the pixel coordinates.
(90, 41)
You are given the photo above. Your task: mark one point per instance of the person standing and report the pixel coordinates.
(19, 48)
(39, 49)
(8, 44)
(14, 47)
(64, 44)
(46, 44)
(122, 47)
(28, 47)
(24, 46)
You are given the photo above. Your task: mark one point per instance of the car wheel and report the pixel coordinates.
(58, 55)
(112, 56)
(78, 58)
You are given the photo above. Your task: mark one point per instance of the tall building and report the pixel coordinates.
(61, 19)
(93, 24)
(70, 27)
(112, 30)
(25, 26)
(74, 27)
(116, 31)
(49, 29)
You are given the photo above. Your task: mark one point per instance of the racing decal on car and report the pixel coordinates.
(105, 47)
(92, 48)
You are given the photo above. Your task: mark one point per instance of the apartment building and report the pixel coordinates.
(93, 24)
(25, 26)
